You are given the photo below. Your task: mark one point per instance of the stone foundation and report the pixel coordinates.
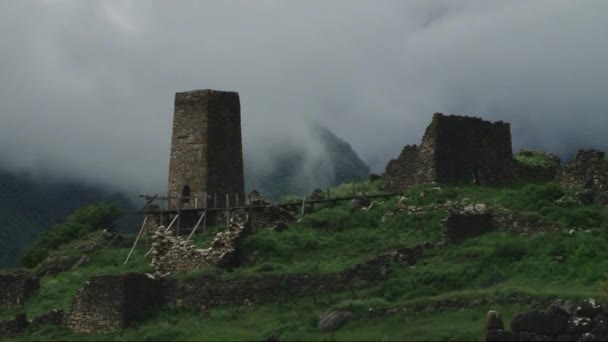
(587, 173)
(16, 288)
(473, 220)
(208, 292)
(587, 321)
(112, 302)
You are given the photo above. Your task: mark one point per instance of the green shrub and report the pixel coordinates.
(79, 223)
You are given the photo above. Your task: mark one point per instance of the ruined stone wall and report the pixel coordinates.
(470, 148)
(561, 321)
(111, 302)
(401, 172)
(16, 288)
(455, 149)
(206, 147)
(473, 221)
(587, 171)
(207, 292)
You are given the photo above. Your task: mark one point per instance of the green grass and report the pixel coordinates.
(497, 266)
(57, 291)
(537, 159)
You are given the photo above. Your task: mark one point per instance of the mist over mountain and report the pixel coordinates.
(30, 205)
(296, 170)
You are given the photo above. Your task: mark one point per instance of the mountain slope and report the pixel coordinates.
(296, 171)
(29, 206)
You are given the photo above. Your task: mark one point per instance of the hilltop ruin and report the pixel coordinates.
(455, 149)
(206, 148)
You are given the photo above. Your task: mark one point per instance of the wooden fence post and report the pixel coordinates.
(205, 218)
(227, 210)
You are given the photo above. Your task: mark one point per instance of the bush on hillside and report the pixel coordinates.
(79, 223)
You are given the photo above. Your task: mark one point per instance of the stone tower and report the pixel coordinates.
(206, 149)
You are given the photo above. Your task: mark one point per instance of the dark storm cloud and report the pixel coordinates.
(87, 87)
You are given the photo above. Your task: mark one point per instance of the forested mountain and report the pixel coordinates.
(295, 171)
(29, 206)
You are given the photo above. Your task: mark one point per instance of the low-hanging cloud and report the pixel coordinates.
(86, 87)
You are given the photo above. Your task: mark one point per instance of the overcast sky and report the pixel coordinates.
(87, 87)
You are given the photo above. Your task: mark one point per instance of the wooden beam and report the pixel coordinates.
(137, 239)
(197, 224)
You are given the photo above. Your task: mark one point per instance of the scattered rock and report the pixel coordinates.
(579, 325)
(333, 320)
(82, 261)
(493, 321)
(588, 308)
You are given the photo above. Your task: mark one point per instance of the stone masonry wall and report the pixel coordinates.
(401, 172)
(207, 292)
(16, 288)
(471, 148)
(561, 321)
(111, 302)
(587, 172)
(455, 149)
(206, 147)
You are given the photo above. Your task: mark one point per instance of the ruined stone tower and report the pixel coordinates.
(455, 149)
(206, 149)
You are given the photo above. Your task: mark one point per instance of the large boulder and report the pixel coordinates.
(333, 320)
(493, 321)
(539, 322)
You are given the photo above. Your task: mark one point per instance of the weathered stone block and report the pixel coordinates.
(455, 149)
(111, 302)
(206, 148)
(16, 288)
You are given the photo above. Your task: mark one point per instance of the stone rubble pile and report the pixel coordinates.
(562, 321)
(316, 195)
(172, 253)
(255, 199)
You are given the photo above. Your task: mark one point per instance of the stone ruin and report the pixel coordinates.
(561, 321)
(173, 254)
(461, 149)
(111, 302)
(206, 149)
(16, 288)
(455, 149)
(587, 174)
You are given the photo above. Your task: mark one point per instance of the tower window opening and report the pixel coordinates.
(185, 194)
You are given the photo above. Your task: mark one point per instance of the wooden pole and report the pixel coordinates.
(179, 209)
(303, 204)
(197, 224)
(227, 210)
(136, 239)
(162, 204)
(205, 218)
(174, 219)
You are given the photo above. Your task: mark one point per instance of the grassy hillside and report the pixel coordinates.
(444, 296)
